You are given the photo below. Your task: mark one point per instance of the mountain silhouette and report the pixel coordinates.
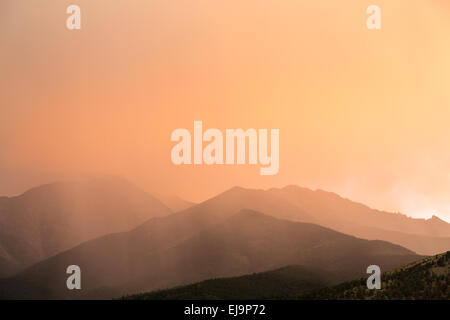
(330, 210)
(182, 248)
(126, 241)
(55, 217)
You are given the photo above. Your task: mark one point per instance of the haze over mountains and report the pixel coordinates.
(55, 217)
(328, 206)
(145, 259)
(428, 237)
(423, 236)
(126, 241)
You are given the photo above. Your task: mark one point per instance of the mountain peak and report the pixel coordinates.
(435, 218)
(101, 181)
(56, 216)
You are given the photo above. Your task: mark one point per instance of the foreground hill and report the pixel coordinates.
(192, 246)
(52, 218)
(265, 285)
(425, 279)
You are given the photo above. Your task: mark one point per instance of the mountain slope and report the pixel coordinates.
(237, 198)
(52, 218)
(185, 248)
(332, 211)
(425, 279)
(264, 285)
(327, 205)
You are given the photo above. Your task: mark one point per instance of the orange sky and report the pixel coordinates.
(362, 113)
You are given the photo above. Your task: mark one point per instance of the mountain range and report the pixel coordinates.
(164, 252)
(127, 241)
(424, 236)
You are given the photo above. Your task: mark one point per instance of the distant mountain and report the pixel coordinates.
(237, 198)
(196, 245)
(425, 279)
(327, 209)
(264, 285)
(52, 218)
(331, 208)
(332, 211)
(55, 217)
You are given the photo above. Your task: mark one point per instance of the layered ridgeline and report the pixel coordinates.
(424, 236)
(52, 218)
(425, 279)
(196, 245)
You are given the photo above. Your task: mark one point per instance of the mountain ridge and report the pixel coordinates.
(54, 217)
(246, 242)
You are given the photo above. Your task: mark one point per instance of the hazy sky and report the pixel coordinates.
(362, 113)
